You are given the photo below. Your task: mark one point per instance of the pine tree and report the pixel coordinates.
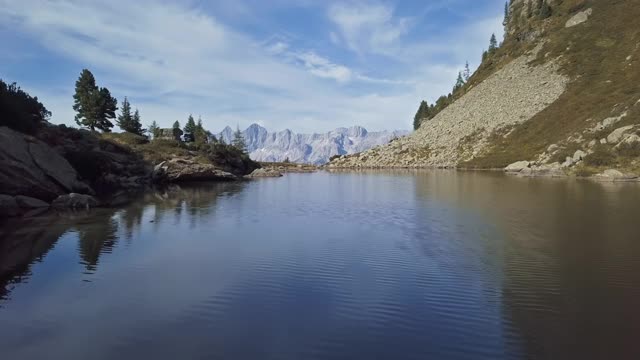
(423, 113)
(466, 74)
(136, 124)
(201, 136)
(94, 106)
(108, 105)
(124, 120)
(506, 14)
(238, 141)
(544, 10)
(154, 129)
(459, 82)
(190, 129)
(177, 132)
(493, 43)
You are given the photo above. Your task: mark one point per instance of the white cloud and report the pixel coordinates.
(368, 27)
(171, 60)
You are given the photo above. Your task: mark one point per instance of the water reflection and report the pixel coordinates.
(570, 260)
(24, 242)
(401, 264)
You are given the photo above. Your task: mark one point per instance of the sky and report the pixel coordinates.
(305, 65)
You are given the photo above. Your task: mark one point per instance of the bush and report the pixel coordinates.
(601, 156)
(19, 110)
(629, 149)
(230, 158)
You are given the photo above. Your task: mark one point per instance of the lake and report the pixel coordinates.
(347, 265)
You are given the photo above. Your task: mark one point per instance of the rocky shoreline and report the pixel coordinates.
(520, 169)
(65, 168)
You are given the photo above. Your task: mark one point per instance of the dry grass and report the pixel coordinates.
(594, 55)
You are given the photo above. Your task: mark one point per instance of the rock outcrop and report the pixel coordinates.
(30, 167)
(262, 173)
(185, 170)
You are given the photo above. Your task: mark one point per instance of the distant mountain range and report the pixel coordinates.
(308, 148)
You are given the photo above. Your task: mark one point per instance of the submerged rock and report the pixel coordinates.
(615, 175)
(75, 201)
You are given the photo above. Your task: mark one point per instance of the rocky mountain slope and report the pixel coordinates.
(561, 93)
(308, 148)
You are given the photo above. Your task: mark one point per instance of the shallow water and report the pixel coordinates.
(366, 265)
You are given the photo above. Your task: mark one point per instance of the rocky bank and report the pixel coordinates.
(62, 167)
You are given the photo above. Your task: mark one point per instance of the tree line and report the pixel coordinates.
(96, 109)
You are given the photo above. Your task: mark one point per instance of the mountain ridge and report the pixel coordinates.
(314, 148)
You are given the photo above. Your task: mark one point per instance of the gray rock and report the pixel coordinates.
(183, 170)
(74, 201)
(26, 202)
(618, 134)
(517, 166)
(260, 173)
(9, 206)
(578, 156)
(30, 167)
(579, 18)
(615, 175)
(547, 170)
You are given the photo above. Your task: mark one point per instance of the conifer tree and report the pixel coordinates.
(238, 141)
(459, 82)
(94, 106)
(493, 43)
(506, 14)
(544, 10)
(177, 132)
(200, 134)
(466, 74)
(190, 129)
(423, 113)
(154, 129)
(136, 124)
(125, 119)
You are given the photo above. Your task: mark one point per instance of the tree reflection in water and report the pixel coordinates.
(24, 242)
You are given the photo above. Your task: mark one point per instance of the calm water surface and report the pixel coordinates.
(371, 265)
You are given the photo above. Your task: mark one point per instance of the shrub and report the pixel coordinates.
(19, 110)
(230, 158)
(601, 156)
(629, 149)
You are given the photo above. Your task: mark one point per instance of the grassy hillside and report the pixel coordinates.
(602, 58)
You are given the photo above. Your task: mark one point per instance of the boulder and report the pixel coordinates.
(578, 156)
(618, 134)
(547, 170)
(9, 206)
(260, 173)
(182, 170)
(26, 202)
(517, 166)
(30, 167)
(615, 175)
(579, 18)
(75, 201)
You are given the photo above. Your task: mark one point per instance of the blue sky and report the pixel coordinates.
(307, 65)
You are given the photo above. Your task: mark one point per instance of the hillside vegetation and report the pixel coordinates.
(582, 82)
